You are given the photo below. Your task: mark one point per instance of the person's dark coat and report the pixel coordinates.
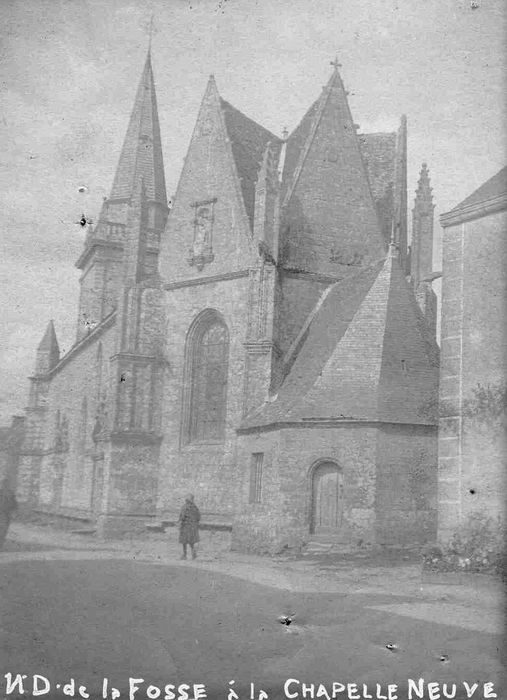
(189, 523)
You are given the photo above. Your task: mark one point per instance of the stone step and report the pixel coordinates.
(162, 525)
(319, 546)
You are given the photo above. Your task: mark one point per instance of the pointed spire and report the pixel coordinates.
(48, 352)
(141, 155)
(421, 251)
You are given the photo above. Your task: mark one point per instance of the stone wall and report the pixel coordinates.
(290, 455)
(473, 382)
(207, 470)
(71, 394)
(406, 485)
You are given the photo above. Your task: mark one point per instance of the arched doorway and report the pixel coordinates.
(327, 498)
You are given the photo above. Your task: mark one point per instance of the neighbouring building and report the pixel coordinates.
(267, 343)
(11, 441)
(472, 447)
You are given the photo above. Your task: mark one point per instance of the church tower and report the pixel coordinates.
(102, 260)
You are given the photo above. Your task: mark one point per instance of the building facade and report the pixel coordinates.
(267, 343)
(473, 381)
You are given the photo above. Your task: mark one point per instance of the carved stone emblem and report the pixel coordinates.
(201, 252)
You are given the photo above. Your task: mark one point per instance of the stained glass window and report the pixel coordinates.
(209, 368)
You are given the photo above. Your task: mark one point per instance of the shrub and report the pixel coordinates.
(478, 547)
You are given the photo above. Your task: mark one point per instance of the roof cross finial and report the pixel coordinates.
(150, 33)
(335, 63)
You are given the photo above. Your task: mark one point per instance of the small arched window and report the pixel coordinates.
(207, 364)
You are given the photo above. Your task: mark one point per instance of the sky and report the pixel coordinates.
(68, 75)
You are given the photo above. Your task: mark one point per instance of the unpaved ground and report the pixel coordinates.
(72, 606)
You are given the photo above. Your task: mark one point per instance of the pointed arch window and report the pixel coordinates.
(207, 365)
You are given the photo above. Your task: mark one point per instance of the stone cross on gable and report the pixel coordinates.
(335, 63)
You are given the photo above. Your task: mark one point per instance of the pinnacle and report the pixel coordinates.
(423, 184)
(49, 341)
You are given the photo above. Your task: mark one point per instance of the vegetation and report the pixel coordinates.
(479, 547)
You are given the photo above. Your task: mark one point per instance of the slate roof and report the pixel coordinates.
(348, 365)
(494, 187)
(248, 142)
(379, 156)
(141, 154)
(295, 144)
(378, 151)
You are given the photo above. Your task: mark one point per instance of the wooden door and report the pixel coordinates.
(327, 499)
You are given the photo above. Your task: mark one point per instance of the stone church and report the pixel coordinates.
(265, 340)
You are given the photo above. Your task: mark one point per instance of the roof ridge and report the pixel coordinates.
(323, 99)
(497, 183)
(245, 116)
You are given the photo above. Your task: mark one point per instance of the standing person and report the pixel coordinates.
(7, 506)
(189, 526)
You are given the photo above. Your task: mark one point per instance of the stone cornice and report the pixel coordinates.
(91, 337)
(138, 357)
(96, 243)
(474, 211)
(206, 280)
(306, 274)
(135, 437)
(324, 423)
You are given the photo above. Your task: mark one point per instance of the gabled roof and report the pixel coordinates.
(141, 154)
(295, 144)
(379, 151)
(248, 143)
(379, 156)
(328, 215)
(494, 187)
(366, 355)
(487, 199)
